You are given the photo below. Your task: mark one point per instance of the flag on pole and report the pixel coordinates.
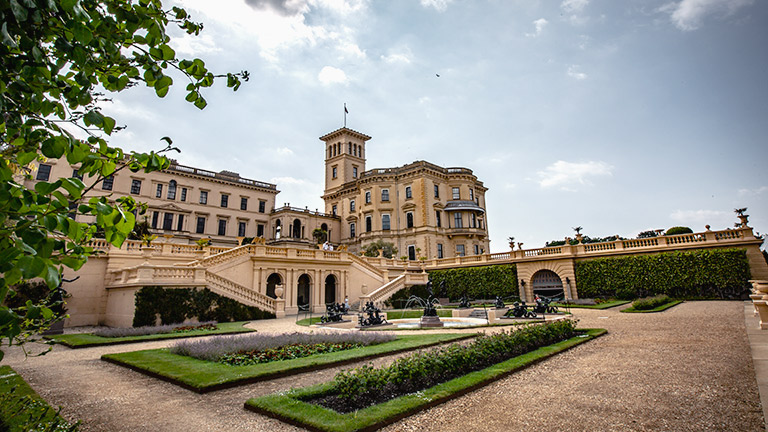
(346, 111)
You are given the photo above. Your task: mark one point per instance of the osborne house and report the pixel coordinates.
(275, 258)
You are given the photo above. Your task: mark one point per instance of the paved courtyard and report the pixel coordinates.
(687, 369)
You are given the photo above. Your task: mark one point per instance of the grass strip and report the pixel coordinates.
(86, 340)
(204, 376)
(290, 406)
(510, 322)
(19, 416)
(604, 305)
(660, 308)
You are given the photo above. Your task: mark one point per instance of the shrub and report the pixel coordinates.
(696, 274)
(367, 385)
(175, 305)
(214, 349)
(649, 303)
(679, 230)
(150, 330)
(478, 282)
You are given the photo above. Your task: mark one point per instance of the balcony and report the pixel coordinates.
(468, 232)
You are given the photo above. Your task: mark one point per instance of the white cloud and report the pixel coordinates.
(574, 6)
(566, 175)
(194, 45)
(538, 25)
(331, 75)
(439, 5)
(749, 192)
(573, 72)
(402, 55)
(688, 15)
(284, 151)
(697, 219)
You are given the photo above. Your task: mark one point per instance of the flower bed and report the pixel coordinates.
(365, 386)
(269, 346)
(150, 330)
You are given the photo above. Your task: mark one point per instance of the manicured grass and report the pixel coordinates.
(35, 410)
(510, 322)
(661, 308)
(291, 408)
(204, 376)
(604, 305)
(85, 340)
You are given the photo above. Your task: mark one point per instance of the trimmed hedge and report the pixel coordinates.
(478, 282)
(696, 274)
(175, 305)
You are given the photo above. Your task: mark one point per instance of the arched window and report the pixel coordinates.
(349, 149)
(172, 190)
(354, 150)
(296, 232)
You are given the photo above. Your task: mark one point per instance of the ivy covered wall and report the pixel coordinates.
(478, 282)
(175, 305)
(695, 274)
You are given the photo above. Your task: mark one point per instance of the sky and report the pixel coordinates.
(616, 116)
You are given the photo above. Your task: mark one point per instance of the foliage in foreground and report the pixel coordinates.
(215, 349)
(21, 409)
(118, 332)
(175, 305)
(367, 385)
(478, 282)
(704, 273)
(58, 58)
(649, 303)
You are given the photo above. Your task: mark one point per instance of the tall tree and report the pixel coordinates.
(58, 60)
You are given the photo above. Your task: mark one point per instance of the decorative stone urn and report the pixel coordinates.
(279, 291)
(364, 289)
(147, 251)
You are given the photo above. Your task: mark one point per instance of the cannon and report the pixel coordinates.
(373, 316)
(520, 310)
(543, 305)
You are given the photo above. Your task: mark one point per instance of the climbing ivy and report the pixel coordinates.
(175, 305)
(478, 282)
(709, 274)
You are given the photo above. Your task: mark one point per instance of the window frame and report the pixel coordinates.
(40, 170)
(383, 197)
(135, 187)
(224, 200)
(204, 197)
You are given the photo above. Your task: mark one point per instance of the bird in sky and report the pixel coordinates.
(437, 75)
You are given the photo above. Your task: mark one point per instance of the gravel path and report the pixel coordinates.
(687, 369)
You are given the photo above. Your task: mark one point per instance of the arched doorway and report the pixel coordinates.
(302, 295)
(330, 289)
(272, 281)
(547, 283)
(296, 232)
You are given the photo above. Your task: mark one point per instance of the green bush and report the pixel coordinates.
(696, 274)
(175, 305)
(679, 230)
(649, 303)
(478, 282)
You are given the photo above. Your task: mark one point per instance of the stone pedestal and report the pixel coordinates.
(762, 310)
(430, 321)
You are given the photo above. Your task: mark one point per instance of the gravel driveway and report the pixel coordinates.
(686, 369)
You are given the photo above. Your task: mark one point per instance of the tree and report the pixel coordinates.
(320, 235)
(58, 58)
(372, 250)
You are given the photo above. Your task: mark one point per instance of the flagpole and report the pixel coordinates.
(345, 114)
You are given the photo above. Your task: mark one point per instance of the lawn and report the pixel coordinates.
(205, 376)
(21, 408)
(291, 408)
(85, 340)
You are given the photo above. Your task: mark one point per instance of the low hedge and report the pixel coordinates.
(478, 282)
(696, 274)
(175, 305)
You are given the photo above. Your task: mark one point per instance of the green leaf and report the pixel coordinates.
(94, 117)
(31, 266)
(82, 33)
(19, 11)
(108, 123)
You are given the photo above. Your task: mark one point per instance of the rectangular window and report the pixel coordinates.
(155, 218)
(471, 195)
(203, 197)
(222, 227)
(408, 193)
(333, 210)
(460, 250)
(474, 220)
(136, 187)
(385, 222)
(334, 172)
(457, 220)
(159, 193)
(456, 194)
(43, 172)
(368, 197)
(437, 191)
(439, 250)
(168, 221)
(351, 205)
(224, 200)
(477, 250)
(108, 183)
(180, 223)
(200, 225)
(241, 229)
(409, 220)
(260, 230)
(262, 206)
(352, 230)
(76, 175)
(368, 224)
(171, 190)
(183, 194)
(354, 171)
(243, 203)
(438, 222)
(385, 194)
